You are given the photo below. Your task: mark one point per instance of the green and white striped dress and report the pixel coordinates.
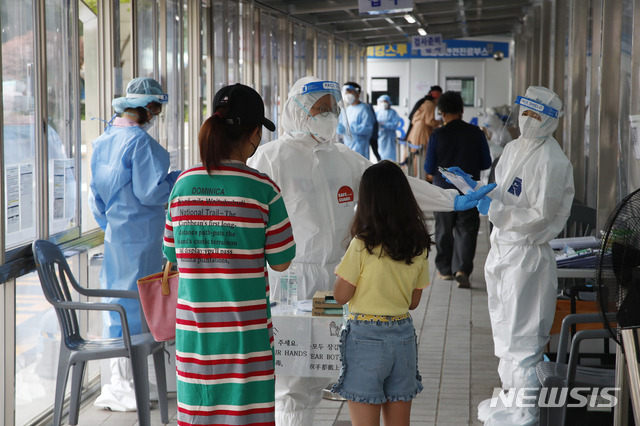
(221, 230)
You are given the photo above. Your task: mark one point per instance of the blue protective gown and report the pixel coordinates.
(361, 125)
(130, 186)
(388, 120)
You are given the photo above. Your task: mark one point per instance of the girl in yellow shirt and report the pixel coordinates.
(382, 276)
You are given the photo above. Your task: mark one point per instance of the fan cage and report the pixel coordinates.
(618, 269)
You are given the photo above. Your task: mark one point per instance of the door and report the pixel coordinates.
(390, 77)
(467, 77)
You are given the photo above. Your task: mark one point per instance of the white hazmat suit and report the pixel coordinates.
(319, 180)
(529, 207)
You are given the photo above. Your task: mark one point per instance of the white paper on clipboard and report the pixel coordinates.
(458, 181)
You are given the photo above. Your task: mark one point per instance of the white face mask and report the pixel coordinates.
(322, 128)
(532, 129)
(149, 124)
(350, 98)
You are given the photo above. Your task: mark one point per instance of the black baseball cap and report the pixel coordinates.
(245, 106)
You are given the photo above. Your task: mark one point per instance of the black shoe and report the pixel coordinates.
(463, 280)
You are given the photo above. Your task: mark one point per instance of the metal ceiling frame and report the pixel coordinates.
(450, 18)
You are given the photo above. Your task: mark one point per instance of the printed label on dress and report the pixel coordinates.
(345, 194)
(516, 187)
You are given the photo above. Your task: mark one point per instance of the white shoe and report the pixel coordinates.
(513, 417)
(487, 407)
(119, 394)
(116, 399)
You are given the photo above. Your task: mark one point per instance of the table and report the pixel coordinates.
(306, 346)
(576, 273)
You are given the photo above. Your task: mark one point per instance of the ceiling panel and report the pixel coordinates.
(451, 18)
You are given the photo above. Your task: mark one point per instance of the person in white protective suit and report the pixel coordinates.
(130, 185)
(319, 180)
(528, 208)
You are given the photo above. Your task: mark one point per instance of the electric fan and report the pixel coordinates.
(618, 272)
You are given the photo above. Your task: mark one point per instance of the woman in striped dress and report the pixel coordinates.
(225, 222)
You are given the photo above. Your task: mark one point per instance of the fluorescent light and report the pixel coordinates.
(389, 20)
(422, 32)
(410, 19)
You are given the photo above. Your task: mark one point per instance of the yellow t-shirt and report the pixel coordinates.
(383, 285)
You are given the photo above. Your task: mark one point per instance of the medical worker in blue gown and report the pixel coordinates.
(130, 185)
(358, 117)
(388, 120)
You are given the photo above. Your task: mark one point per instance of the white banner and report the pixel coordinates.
(306, 346)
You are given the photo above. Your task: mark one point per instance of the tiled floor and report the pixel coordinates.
(455, 355)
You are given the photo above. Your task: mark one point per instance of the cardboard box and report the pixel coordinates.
(324, 299)
(324, 305)
(327, 312)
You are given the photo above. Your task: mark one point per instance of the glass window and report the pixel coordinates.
(353, 62)
(219, 48)
(18, 88)
(61, 118)
(385, 86)
(147, 40)
(90, 125)
(339, 55)
(37, 349)
(466, 86)
(266, 36)
(233, 36)
(323, 49)
(38, 342)
(299, 46)
(172, 120)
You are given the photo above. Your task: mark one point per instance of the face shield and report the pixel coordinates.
(538, 112)
(313, 109)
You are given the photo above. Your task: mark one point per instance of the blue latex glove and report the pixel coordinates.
(340, 128)
(483, 205)
(470, 200)
(467, 177)
(463, 202)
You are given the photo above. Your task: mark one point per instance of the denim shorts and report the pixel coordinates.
(379, 362)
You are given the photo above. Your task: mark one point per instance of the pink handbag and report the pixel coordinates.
(159, 297)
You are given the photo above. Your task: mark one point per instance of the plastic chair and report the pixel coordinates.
(563, 373)
(55, 276)
(581, 222)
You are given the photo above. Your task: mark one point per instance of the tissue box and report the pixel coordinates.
(325, 305)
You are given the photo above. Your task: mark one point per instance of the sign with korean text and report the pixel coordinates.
(307, 346)
(451, 49)
(384, 6)
(430, 44)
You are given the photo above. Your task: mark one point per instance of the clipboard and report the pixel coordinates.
(456, 180)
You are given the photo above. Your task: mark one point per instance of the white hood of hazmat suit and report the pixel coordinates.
(319, 184)
(530, 207)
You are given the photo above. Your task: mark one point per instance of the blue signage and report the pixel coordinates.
(454, 49)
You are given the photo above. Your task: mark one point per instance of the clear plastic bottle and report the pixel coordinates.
(284, 289)
(292, 287)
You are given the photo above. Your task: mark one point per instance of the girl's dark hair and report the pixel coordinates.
(142, 112)
(388, 214)
(218, 141)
